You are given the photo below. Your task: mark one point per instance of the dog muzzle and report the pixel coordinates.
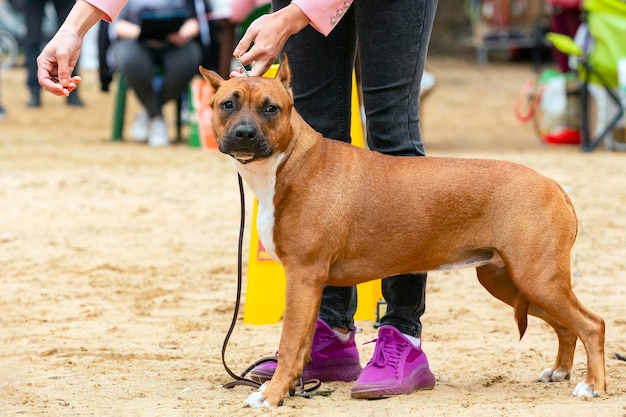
(245, 143)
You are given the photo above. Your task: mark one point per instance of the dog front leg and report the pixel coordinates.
(303, 295)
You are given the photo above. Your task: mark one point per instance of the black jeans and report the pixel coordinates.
(34, 11)
(393, 37)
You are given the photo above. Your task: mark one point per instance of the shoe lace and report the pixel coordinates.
(388, 351)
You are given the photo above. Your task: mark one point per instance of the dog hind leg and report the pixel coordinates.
(497, 281)
(550, 291)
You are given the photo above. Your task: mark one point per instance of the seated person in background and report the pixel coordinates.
(139, 47)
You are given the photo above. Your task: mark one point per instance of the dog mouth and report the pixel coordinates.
(246, 153)
(243, 156)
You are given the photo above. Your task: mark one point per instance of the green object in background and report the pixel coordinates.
(549, 74)
(193, 141)
(193, 135)
(564, 44)
(120, 110)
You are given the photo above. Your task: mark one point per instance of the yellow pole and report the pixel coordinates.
(265, 286)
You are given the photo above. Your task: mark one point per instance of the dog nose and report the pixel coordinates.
(245, 132)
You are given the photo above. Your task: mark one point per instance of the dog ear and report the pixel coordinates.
(284, 74)
(213, 78)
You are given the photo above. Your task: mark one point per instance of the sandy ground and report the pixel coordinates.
(118, 270)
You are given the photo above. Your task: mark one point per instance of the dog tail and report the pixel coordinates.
(521, 314)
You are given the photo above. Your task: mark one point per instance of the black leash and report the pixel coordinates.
(241, 379)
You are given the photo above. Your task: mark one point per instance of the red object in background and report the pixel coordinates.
(563, 137)
(497, 12)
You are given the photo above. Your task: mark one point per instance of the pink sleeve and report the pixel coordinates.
(240, 9)
(324, 14)
(111, 8)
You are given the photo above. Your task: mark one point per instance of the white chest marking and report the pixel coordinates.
(261, 178)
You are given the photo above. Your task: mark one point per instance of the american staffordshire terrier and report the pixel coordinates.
(336, 214)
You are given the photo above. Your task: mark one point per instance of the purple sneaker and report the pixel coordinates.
(397, 367)
(331, 359)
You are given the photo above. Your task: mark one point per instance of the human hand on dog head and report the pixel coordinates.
(268, 35)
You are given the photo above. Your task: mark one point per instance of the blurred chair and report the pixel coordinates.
(119, 112)
(597, 48)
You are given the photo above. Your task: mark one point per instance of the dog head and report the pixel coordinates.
(251, 115)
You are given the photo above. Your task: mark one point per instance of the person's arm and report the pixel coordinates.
(270, 32)
(125, 29)
(110, 8)
(324, 14)
(188, 31)
(58, 59)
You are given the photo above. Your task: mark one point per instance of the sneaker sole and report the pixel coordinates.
(372, 391)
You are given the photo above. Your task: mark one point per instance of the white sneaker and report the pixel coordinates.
(158, 132)
(140, 128)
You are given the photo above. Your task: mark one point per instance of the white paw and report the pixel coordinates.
(545, 375)
(257, 400)
(559, 376)
(548, 375)
(584, 390)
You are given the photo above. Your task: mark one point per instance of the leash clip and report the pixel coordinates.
(242, 67)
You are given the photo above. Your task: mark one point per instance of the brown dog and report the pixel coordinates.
(325, 208)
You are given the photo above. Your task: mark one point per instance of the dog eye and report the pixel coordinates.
(271, 109)
(228, 105)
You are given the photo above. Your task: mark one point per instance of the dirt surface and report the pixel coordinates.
(119, 270)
